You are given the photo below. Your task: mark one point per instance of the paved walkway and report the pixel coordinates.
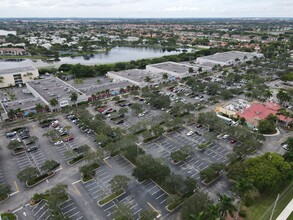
(286, 212)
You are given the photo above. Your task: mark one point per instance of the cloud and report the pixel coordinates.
(145, 8)
(181, 8)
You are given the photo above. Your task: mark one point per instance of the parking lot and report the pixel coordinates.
(35, 158)
(127, 200)
(99, 188)
(68, 208)
(1, 177)
(199, 160)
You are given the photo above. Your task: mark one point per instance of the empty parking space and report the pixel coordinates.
(156, 193)
(23, 161)
(1, 177)
(122, 163)
(37, 158)
(41, 211)
(62, 149)
(127, 200)
(70, 210)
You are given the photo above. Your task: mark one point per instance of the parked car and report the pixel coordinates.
(199, 126)
(89, 131)
(233, 141)
(225, 136)
(199, 134)
(140, 115)
(285, 147)
(10, 134)
(58, 143)
(120, 122)
(190, 133)
(32, 149)
(70, 138)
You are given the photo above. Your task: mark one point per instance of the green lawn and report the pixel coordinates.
(262, 208)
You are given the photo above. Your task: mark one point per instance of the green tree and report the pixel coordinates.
(147, 79)
(283, 96)
(118, 182)
(73, 97)
(4, 191)
(288, 156)
(49, 165)
(53, 102)
(147, 215)
(150, 168)
(122, 212)
(165, 76)
(226, 206)
(194, 205)
(27, 174)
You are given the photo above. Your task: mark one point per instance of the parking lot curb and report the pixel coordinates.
(111, 199)
(2, 201)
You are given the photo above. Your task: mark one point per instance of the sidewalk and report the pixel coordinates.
(286, 212)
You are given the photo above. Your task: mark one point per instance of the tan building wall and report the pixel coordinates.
(220, 109)
(26, 76)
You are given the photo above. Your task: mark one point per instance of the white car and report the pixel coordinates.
(190, 133)
(225, 136)
(140, 114)
(58, 143)
(285, 147)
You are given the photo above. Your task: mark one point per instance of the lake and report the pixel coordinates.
(116, 54)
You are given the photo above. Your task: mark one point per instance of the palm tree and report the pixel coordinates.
(73, 97)
(212, 212)
(11, 114)
(147, 79)
(53, 102)
(268, 94)
(226, 205)
(165, 76)
(39, 107)
(283, 96)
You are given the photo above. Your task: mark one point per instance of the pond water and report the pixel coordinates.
(116, 54)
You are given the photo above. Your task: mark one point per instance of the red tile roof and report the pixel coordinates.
(260, 111)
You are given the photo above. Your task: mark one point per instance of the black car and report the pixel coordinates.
(199, 134)
(32, 149)
(120, 122)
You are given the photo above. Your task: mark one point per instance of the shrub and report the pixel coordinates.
(76, 159)
(242, 213)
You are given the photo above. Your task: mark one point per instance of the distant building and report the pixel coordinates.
(12, 51)
(17, 76)
(175, 70)
(47, 89)
(228, 58)
(6, 33)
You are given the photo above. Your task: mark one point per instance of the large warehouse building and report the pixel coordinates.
(17, 76)
(138, 77)
(47, 89)
(228, 58)
(174, 70)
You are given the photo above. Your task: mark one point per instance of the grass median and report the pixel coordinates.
(263, 207)
(111, 197)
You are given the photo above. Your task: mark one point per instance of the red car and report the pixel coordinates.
(233, 141)
(67, 139)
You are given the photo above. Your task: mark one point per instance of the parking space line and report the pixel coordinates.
(76, 190)
(39, 209)
(137, 211)
(70, 210)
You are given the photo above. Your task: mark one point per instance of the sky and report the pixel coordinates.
(146, 8)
